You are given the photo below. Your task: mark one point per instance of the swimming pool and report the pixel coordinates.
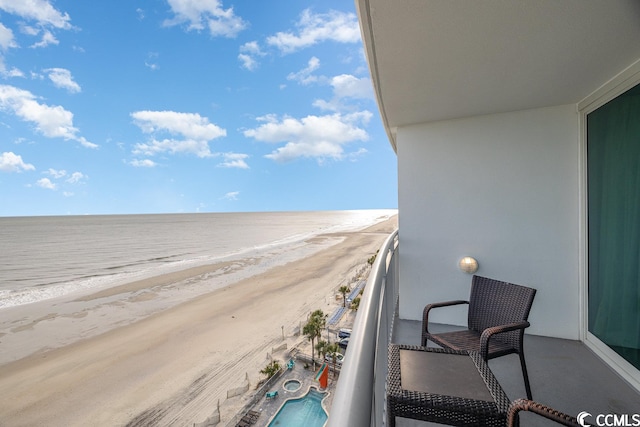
(305, 411)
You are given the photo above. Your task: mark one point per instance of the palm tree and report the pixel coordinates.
(271, 369)
(332, 349)
(322, 348)
(344, 290)
(313, 329)
(320, 317)
(309, 331)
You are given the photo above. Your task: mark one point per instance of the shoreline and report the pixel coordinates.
(175, 365)
(49, 324)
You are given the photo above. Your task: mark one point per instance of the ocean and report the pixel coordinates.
(45, 258)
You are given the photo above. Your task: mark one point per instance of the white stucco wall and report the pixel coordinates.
(502, 188)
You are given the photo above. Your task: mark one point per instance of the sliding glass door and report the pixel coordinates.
(613, 173)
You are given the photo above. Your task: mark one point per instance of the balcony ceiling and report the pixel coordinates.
(434, 60)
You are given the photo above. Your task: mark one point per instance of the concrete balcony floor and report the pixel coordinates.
(564, 375)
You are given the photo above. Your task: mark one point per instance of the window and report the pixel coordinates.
(613, 178)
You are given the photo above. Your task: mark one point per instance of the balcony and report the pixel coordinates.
(564, 374)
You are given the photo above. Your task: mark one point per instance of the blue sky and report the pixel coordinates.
(157, 106)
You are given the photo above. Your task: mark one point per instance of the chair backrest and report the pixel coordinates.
(494, 303)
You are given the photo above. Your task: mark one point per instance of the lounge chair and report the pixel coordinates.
(290, 364)
(248, 419)
(272, 394)
(497, 318)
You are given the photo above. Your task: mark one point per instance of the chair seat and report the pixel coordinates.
(470, 340)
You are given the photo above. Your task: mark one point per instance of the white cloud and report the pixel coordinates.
(188, 125)
(345, 86)
(14, 72)
(56, 173)
(206, 14)
(248, 53)
(82, 140)
(305, 76)
(248, 62)
(151, 62)
(46, 183)
(76, 177)
(11, 162)
(62, 78)
(251, 47)
(232, 195)
(320, 150)
(6, 38)
(29, 30)
(315, 28)
(7, 41)
(173, 146)
(193, 131)
(52, 122)
(47, 39)
(39, 10)
(146, 163)
(357, 154)
(325, 105)
(348, 86)
(234, 160)
(318, 137)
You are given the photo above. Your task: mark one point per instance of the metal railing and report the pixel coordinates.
(359, 398)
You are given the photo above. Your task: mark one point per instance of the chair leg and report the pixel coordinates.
(527, 386)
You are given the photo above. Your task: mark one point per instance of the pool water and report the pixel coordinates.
(306, 411)
(292, 385)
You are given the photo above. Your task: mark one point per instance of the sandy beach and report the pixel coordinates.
(174, 366)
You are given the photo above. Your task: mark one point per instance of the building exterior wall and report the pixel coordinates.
(502, 188)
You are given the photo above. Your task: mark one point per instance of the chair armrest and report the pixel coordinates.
(428, 307)
(494, 330)
(538, 408)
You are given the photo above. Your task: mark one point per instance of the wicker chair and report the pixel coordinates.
(527, 405)
(497, 318)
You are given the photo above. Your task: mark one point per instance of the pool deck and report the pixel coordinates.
(269, 407)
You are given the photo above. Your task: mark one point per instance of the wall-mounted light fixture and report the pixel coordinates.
(468, 265)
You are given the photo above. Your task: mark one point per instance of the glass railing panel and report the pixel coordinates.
(359, 398)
